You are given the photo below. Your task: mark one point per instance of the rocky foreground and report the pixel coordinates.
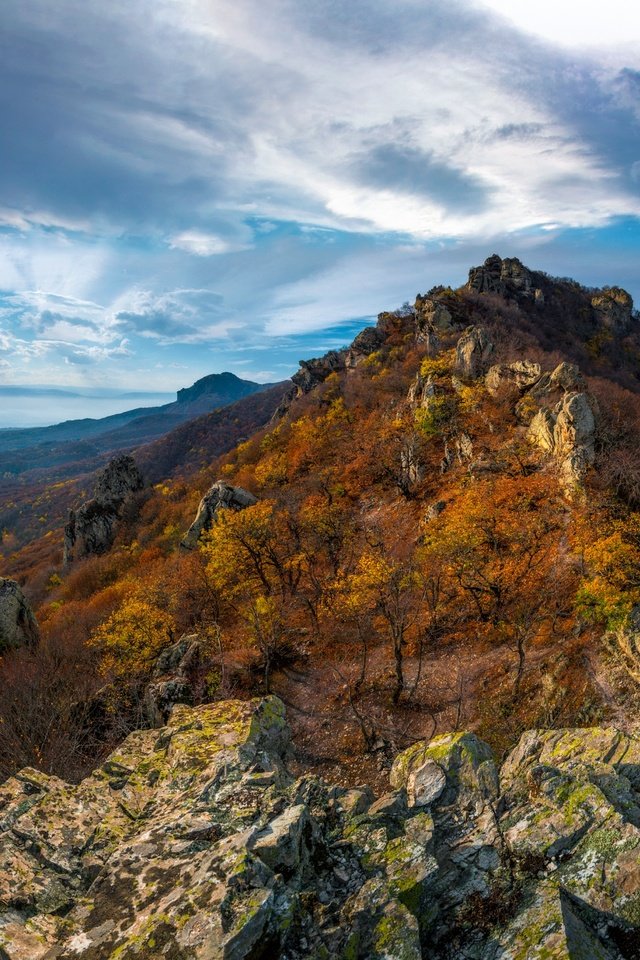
(192, 841)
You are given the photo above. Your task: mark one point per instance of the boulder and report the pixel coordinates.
(220, 496)
(91, 529)
(568, 433)
(472, 353)
(18, 625)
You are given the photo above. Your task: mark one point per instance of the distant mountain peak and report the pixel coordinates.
(217, 383)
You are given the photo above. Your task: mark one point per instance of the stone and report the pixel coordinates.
(220, 496)
(472, 353)
(513, 377)
(280, 844)
(91, 529)
(568, 433)
(425, 784)
(18, 625)
(503, 277)
(613, 308)
(365, 343)
(194, 841)
(432, 319)
(421, 391)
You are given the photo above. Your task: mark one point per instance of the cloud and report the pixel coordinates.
(203, 244)
(213, 189)
(184, 316)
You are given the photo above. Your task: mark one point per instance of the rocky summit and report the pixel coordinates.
(194, 841)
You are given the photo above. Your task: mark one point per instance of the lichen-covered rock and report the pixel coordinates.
(472, 353)
(92, 528)
(193, 842)
(220, 496)
(18, 625)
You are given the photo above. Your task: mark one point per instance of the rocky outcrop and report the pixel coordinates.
(613, 307)
(193, 841)
(314, 372)
(18, 625)
(92, 528)
(367, 342)
(472, 353)
(221, 496)
(432, 320)
(567, 432)
(173, 679)
(421, 391)
(516, 377)
(507, 278)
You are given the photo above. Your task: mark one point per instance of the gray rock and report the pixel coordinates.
(178, 845)
(221, 496)
(18, 625)
(472, 353)
(504, 277)
(92, 528)
(613, 308)
(425, 784)
(512, 377)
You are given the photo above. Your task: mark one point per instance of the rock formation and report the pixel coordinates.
(194, 842)
(566, 431)
(221, 496)
(172, 679)
(421, 391)
(513, 377)
(507, 277)
(367, 342)
(432, 319)
(472, 353)
(18, 626)
(92, 528)
(614, 309)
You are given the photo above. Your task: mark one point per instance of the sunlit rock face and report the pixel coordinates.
(194, 841)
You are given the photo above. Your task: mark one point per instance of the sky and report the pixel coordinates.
(192, 186)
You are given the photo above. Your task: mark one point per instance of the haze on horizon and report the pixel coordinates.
(191, 186)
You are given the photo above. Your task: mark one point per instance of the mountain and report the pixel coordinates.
(122, 429)
(426, 546)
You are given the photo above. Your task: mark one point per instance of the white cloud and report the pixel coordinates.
(203, 244)
(565, 22)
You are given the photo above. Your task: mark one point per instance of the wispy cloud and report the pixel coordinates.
(207, 183)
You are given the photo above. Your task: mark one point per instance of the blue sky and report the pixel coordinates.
(191, 186)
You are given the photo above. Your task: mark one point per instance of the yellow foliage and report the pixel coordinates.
(133, 636)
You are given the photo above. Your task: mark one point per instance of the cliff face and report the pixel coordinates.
(193, 841)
